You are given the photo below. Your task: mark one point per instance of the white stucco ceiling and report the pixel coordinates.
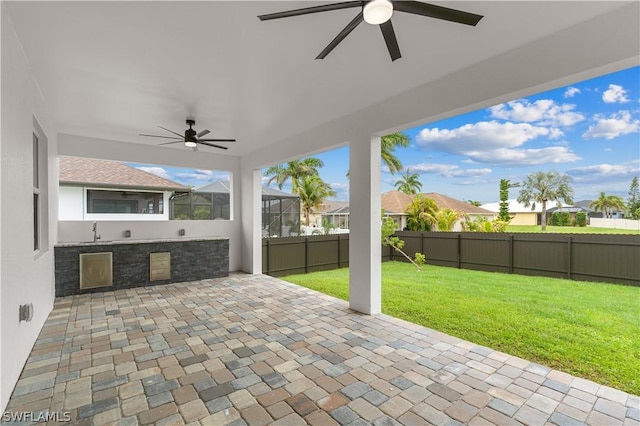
(116, 69)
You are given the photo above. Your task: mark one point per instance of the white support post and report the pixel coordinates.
(251, 216)
(365, 222)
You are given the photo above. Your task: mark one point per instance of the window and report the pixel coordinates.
(40, 191)
(124, 202)
(36, 194)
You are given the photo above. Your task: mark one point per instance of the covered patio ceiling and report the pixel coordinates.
(112, 70)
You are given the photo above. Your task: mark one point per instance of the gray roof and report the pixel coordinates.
(223, 187)
(585, 205)
(275, 193)
(111, 174)
(218, 187)
(570, 209)
(339, 210)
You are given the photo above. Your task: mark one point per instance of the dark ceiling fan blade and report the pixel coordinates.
(212, 145)
(342, 35)
(438, 12)
(158, 136)
(390, 38)
(216, 140)
(171, 131)
(202, 133)
(308, 10)
(169, 143)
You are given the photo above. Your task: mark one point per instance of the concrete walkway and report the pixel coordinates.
(256, 350)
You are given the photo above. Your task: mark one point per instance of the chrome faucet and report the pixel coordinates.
(96, 237)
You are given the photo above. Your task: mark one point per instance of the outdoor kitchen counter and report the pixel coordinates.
(188, 259)
(130, 241)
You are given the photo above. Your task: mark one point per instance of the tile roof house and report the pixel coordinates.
(394, 203)
(93, 190)
(520, 214)
(111, 174)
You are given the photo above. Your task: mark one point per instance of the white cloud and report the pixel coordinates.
(204, 175)
(615, 94)
(605, 173)
(339, 186)
(615, 125)
(571, 92)
(526, 157)
(341, 189)
(495, 143)
(484, 135)
(555, 133)
(447, 170)
(158, 171)
(542, 112)
(608, 150)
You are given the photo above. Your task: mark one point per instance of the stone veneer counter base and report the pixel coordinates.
(191, 260)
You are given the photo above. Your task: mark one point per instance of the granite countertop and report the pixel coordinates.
(155, 240)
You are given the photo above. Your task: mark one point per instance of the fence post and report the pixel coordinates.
(569, 239)
(459, 254)
(338, 235)
(306, 255)
(422, 243)
(511, 254)
(268, 251)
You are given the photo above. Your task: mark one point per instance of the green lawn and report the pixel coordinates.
(569, 229)
(590, 330)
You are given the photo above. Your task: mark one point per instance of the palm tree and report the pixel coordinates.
(606, 204)
(541, 187)
(388, 144)
(446, 219)
(294, 170)
(312, 191)
(409, 183)
(421, 213)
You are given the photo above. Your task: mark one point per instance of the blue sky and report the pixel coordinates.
(588, 130)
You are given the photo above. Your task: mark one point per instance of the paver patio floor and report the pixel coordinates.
(256, 350)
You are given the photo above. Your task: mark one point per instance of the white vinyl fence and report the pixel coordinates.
(633, 225)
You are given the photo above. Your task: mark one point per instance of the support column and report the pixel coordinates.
(251, 216)
(364, 227)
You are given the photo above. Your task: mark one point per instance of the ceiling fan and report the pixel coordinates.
(378, 12)
(191, 138)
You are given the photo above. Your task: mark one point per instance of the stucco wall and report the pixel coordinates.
(75, 231)
(524, 219)
(24, 276)
(73, 202)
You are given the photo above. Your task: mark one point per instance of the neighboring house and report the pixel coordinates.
(585, 205)
(280, 213)
(394, 203)
(94, 190)
(335, 212)
(208, 202)
(572, 210)
(520, 214)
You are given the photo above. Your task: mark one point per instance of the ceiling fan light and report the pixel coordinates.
(377, 12)
(190, 144)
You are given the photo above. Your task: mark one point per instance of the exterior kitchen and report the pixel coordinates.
(115, 230)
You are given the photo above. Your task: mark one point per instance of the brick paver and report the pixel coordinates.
(256, 350)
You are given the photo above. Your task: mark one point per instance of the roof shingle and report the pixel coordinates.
(112, 174)
(397, 202)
